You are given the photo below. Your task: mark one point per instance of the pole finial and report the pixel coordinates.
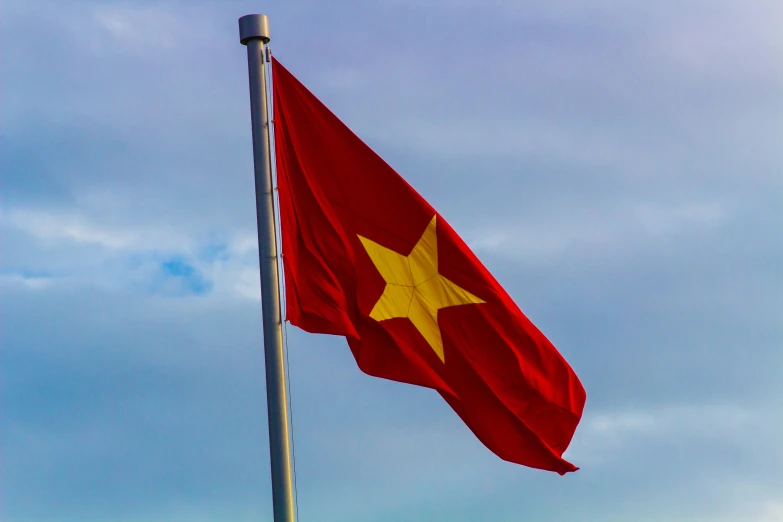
(253, 27)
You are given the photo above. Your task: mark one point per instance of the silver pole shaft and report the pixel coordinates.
(254, 33)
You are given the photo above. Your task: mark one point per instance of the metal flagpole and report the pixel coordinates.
(254, 33)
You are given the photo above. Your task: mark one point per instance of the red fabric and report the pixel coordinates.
(505, 380)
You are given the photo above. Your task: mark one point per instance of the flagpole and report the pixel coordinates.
(254, 33)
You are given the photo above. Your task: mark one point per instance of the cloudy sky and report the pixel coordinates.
(617, 165)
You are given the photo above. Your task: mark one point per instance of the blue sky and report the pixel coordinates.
(616, 165)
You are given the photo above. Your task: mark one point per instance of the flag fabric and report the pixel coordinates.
(367, 258)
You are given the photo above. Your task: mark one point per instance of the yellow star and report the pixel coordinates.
(414, 288)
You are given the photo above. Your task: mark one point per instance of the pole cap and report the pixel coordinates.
(252, 27)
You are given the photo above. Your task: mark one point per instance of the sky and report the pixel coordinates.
(615, 164)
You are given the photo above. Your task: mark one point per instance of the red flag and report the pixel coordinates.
(366, 257)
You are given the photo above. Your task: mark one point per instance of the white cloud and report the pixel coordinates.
(606, 438)
(662, 220)
(128, 255)
(621, 228)
(135, 28)
(698, 420)
(73, 227)
(235, 277)
(772, 512)
(516, 139)
(248, 284)
(50, 226)
(243, 243)
(28, 282)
